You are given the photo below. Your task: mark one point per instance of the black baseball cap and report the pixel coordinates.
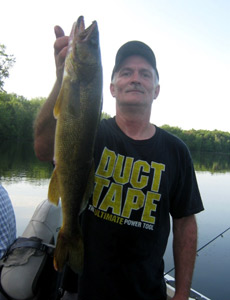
(135, 48)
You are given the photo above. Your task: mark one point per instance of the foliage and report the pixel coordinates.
(17, 115)
(6, 62)
(104, 115)
(203, 140)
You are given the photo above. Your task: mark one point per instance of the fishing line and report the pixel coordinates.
(221, 234)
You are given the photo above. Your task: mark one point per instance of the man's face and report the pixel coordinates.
(135, 83)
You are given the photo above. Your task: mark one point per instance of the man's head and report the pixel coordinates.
(135, 48)
(135, 76)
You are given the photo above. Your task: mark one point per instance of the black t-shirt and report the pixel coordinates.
(138, 184)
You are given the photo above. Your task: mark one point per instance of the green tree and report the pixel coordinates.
(17, 115)
(202, 140)
(104, 115)
(6, 62)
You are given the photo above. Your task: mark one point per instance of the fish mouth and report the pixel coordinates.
(80, 24)
(90, 33)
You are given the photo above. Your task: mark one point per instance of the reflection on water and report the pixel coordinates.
(18, 161)
(26, 180)
(211, 162)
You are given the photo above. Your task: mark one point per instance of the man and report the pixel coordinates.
(7, 222)
(143, 174)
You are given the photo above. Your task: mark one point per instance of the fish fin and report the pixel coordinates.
(69, 250)
(53, 193)
(57, 106)
(89, 189)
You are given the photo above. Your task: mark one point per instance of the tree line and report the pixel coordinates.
(215, 141)
(17, 116)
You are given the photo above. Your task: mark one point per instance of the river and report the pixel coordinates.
(26, 180)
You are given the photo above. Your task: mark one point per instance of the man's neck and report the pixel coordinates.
(137, 128)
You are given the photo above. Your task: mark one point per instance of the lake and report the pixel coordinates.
(26, 179)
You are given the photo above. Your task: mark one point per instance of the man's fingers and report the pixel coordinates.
(60, 43)
(60, 50)
(59, 32)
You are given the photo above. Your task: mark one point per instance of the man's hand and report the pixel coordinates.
(60, 50)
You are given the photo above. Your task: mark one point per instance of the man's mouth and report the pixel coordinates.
(135, 91)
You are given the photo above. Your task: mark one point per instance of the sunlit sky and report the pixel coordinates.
(190, 38)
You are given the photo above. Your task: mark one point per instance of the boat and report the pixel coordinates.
(170, 284)
(21, 271)
(27, 258)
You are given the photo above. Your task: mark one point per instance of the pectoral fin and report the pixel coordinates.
(53, 193)
(57, 106)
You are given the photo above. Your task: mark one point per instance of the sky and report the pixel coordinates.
(190, 38)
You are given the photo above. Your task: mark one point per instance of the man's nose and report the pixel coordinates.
(135, 77)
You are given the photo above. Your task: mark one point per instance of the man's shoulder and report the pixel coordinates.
(170, 138)
(173, 143)
(107, 121)
(107, 125)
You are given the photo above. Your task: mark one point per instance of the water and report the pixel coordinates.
(26, 180)
(212, 271)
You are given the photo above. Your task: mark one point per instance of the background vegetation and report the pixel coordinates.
(17, 115)
(6, 62)
(203, 140)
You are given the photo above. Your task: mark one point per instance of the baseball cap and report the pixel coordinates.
(135, 48)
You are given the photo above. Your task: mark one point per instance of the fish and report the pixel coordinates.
(77, 110)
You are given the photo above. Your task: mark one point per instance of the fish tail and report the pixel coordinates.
(69, 250)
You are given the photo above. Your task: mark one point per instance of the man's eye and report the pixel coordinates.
(146, 75)
(125, 73)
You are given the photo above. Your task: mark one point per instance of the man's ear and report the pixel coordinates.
(157, 91)
(112, 90)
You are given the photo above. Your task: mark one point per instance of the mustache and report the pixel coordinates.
(134, 88)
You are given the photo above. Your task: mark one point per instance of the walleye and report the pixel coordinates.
(77, 110)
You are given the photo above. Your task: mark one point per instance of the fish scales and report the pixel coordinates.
(77, 110)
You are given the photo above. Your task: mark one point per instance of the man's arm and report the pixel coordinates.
(184, 250)
(45, 124)
(44, 128)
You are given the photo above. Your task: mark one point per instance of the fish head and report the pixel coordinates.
(84, 49)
